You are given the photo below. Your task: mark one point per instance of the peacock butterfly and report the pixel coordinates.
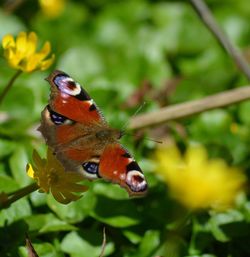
(81, 139)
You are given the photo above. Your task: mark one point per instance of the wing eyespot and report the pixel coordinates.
(90, 169)
(136, 181)
(57, 118)
(68, 86)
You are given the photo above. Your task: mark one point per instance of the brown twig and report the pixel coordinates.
(189, 108)
(18, 194)
(104, 243)
(30, 248)
(208, 19)
(11, 6)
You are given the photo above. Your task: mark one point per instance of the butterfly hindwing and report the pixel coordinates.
(118, 166)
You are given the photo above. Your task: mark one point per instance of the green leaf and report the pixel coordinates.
(7, 184)
(148, 245)
(244, 110)
(79, 245)
(15, 212)
(214, 122)
(115, 212)
(246, 211)
(132, 236)
(74, 211)
(19, 102)
(12, 236)
(173, 245)
(12, 24)
(18, 209)
(6, 147)
(38, 199)
(149, 242)
(219, 221)
(110, 190)
(118, 221)
(71, 62)
(18, 162)
(42, 249)
(202, 255)
(175, 19)
(56, 225)
(44, 223)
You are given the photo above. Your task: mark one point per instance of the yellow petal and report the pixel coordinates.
(45, 50)
(73, 177)
(70, 196)
(31, 43)
(39, 162)
(8, 41)
(10, 55)
(21, 54)
(21, 44)
(31, 64)
(196, 156)
(30, 171)
(198, 182)
(52, 8)
(53, 163)
(47, 63)
(50, 156)
(77, 188)
(59, 197)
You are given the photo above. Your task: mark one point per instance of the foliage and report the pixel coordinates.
(115, 48)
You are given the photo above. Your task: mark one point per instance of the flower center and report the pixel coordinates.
(53, 177)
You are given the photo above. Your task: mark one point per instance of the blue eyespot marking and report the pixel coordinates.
(91, 168)
(56, 118)
(59, 79)
(68, 86)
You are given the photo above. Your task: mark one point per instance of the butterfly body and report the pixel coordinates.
(76, 130)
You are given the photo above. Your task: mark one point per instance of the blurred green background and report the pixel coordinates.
(125, 53)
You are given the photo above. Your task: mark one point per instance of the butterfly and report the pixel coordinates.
(76, 130)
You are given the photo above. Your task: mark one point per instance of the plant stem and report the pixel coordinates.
(18, 194)
(192, 249)
(9, 85)
(185, 109)
(206, 16)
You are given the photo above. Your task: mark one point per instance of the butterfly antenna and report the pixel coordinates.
(147, 138)
(126, 124)
(134, 114)
(151, 139)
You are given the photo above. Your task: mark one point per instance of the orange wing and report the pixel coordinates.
(118, 166)
(69, 121)
(69, 124)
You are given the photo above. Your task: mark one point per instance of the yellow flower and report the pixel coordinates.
(52, 8)
(21, 54)
(197, 182)
(51, 177)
